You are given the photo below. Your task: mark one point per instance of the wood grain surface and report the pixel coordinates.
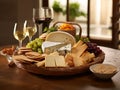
(13, 78)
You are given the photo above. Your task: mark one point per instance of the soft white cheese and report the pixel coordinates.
(49, 44)
(66, 47)
(50, 47)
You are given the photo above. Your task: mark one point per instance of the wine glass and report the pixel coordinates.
(30, 29)
(19, 33)
(42, 18)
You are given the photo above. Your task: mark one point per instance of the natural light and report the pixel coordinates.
(100, 25)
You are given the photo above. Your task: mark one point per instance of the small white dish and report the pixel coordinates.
(103, 71)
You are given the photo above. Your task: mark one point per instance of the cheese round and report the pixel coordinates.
(60, 36)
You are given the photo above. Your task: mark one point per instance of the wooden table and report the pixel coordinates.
(13, 78)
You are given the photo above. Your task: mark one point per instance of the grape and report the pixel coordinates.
(39, 44)
(93, 48)
(34, 49)
(35, 45)
(39, 50)
(28, 45)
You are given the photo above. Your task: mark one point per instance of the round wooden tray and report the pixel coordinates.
(54, 71)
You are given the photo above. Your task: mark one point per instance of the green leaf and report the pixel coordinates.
(57, 7)
(51, 29)
(74, 11)
(45, 30)
(85, 39)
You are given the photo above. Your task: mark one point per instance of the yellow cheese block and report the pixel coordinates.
(55, 60)
(87, 57)
(78, 44)
(50, 61)
(79, 50)
(60, 61)
(78, 61)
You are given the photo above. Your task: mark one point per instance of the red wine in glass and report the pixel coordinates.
(42, 17)
(44, 21)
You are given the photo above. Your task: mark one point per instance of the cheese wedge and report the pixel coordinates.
(78, 44)
(78, 51)
(78, 61)
(87, 57)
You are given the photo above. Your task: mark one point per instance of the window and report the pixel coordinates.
(100, 18)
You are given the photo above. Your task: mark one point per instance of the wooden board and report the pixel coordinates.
(55, 71)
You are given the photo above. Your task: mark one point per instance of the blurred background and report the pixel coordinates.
(95, 17)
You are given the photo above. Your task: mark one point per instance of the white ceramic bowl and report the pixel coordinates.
(103, 71)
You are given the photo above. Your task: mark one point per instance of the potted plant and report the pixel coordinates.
(74, 11)
(57, 7)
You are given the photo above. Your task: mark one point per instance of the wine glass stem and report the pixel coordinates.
(40, 29)
(20, 43)
(30, 38)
